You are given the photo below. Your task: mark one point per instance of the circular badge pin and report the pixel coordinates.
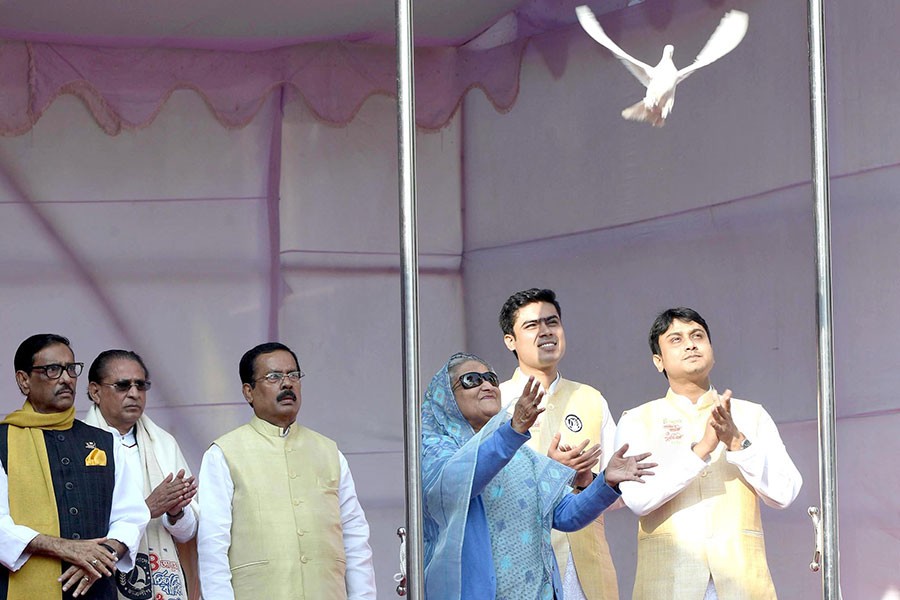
(573, 423)
(136, 584)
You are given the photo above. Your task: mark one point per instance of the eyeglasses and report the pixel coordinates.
(278, 376)
(123, 385)
(55, 370)
(472, 379)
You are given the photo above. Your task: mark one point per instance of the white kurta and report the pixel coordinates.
(184, 528)
(214, 536)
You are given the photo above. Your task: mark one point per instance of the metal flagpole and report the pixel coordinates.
(409, 267)
(828, 535)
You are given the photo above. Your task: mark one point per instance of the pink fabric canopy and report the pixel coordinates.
(126, 88)
(125, 85)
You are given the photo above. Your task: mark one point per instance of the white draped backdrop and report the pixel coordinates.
(164, 241)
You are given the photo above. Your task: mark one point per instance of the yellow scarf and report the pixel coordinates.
(32, 501)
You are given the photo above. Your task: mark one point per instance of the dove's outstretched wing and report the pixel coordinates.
(724, 39)
(590, 24)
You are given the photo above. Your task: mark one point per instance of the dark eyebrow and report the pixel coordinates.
(544, 319)
(689, 332)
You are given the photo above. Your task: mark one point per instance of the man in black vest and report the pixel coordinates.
(70, 510)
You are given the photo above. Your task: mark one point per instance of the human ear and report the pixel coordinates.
(510, 341)
(22, 382)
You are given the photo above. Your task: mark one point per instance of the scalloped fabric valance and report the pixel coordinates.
(124, 89)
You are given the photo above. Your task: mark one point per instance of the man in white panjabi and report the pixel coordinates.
(700, 534)
(281, 520)
(166, 564)
(575, 416)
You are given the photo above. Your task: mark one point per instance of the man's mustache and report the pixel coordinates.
(287, 394)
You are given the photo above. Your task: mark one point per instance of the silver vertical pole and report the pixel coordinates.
(409, 267)
(827, 435)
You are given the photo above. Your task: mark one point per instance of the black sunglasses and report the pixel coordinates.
(124, 385)
(472, 379)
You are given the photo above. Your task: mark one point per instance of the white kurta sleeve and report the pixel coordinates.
(127, 520)
(184, 528)
(676, 469)
(766, 465)
(129, 514)
(13, 538)
(360, 576)
(214, 532)
(607, 436)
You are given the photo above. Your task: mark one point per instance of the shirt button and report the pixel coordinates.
(76, 536)
(550, 407)
(296, 502)
(704, 473)
(65, 460)
(70, 485)
(73, 511)
(304, 560)
(301, 533)
(292, 475)
(60, 437)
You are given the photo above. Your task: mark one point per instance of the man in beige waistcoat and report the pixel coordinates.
(281, 519)
(576, 416)
(699, 534)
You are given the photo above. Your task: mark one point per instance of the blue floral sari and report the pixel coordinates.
(518, 503)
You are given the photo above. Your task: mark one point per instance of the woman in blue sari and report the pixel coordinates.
(490, 502)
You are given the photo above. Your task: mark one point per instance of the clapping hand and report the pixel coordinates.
(172, 494)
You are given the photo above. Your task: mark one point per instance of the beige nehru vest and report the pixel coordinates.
(712, 527)
(576, 411)
(286, 537)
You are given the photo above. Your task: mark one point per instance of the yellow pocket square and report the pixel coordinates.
(97, 458)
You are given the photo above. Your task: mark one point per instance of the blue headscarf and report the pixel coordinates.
(530, 486)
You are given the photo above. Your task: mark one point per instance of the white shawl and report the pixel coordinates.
(157, 555)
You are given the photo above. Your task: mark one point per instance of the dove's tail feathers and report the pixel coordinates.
(640, 112)
(725, 38)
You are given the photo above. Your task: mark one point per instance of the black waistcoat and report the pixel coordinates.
(83, 493)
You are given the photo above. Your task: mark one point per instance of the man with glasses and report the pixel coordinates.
(280, 515)
(576, 416)
(71, 511)
(118, 381)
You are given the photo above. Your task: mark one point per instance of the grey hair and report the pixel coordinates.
(461, 357)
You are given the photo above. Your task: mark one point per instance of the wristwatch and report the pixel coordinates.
(745, 444)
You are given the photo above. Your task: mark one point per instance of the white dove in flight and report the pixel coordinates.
(662, 79)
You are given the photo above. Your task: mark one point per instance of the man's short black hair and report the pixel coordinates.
(98, 367)
(512, 305)
(248, 360)
(24, 358)
(664, 320)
